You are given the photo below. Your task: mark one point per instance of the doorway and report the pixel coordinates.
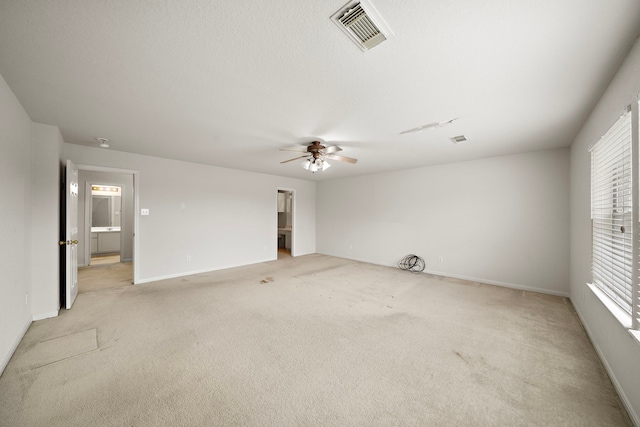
(285, 223)
(107, 207)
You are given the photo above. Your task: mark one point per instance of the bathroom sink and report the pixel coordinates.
(104, 229)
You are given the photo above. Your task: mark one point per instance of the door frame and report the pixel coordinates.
(136, 213)
(293, 219)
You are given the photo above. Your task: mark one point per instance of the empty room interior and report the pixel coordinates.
(205, 206)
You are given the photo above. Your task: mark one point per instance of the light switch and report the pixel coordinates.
(144, 211)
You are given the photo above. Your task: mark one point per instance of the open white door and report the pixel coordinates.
(71, 234)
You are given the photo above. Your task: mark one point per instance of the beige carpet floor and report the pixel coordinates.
(104, 275)
(309, 341)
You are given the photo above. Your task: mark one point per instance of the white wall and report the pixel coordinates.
(120, 179)
(503, 220)
(45, 220)
(220, 217)
(15, 217)
(619, 351)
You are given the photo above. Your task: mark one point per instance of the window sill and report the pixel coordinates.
(622, 316)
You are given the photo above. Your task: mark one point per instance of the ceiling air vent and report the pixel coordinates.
(361, 22)
(459, 139)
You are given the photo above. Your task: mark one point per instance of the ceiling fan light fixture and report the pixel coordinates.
(315, 155)
(315, 165)
(104, 142)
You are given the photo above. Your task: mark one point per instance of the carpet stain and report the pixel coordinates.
(267, 280)
(62, 348)
(462, 357)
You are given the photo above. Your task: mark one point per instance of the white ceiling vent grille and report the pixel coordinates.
(459, 139)
(361, 22)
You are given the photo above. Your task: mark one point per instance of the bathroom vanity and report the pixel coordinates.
(105, 240)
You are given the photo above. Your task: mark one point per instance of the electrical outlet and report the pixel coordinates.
(188, 258)
(144, 211)
(441, 258)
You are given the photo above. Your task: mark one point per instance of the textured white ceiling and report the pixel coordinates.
(228, 83)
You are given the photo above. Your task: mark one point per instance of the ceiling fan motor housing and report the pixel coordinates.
(315, 149)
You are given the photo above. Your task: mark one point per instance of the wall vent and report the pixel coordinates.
(460, 139)
(360, 21)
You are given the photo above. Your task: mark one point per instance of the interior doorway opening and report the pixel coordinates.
(106, 209)
(285, 223)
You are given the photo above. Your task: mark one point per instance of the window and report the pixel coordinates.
(613, 188)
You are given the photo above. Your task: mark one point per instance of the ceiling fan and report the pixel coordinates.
(316, 155)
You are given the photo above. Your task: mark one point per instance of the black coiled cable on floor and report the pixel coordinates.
(413, 263)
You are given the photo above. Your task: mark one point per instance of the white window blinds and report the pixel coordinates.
(611, 214)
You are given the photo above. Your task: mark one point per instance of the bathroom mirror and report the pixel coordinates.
(106, 206)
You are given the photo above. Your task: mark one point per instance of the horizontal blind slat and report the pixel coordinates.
(611, 209)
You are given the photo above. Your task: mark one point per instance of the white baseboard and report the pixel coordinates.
(48, 315)
(7, 357)
(302, 254)
(503, 284)
(208, 270)
(192, 272)
(473, 279)
(635, 419)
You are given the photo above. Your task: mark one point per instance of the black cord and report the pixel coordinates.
(413, 263)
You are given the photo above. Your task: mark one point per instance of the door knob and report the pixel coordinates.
(67, 242)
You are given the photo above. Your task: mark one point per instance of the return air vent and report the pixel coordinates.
(459, 139)
(361, 22)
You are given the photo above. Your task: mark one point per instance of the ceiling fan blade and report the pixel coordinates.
(332, 149)
(340, 158)
(295, 158)
(298, 148)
